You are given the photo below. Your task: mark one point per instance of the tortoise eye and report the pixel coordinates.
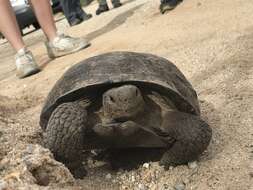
(112, 99)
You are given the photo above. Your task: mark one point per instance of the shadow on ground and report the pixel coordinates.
(130, 158)
(116, 22)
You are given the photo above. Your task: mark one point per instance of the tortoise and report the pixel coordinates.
(123, 100)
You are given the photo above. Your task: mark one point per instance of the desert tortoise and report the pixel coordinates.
(121, 100)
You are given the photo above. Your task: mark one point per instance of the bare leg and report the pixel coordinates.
(43, 12)
(8, 25)
(25, 63)
(58, 45)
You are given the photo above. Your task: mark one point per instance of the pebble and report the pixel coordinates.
(132, 178)
(179, 186)
(108, 176)
(193, 165)
(165, 187)
(146, 165)
(42, 178)
(142, 187)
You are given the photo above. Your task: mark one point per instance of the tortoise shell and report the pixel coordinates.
(93, 76)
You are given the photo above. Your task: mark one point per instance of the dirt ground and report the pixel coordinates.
(211, 42)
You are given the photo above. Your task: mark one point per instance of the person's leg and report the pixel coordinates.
(9, 26)
(80, 12)
(102, 2)
(57, 45)
(116, 3)
(24, 60)
(43, 12)
(102, 7)
(68, 7)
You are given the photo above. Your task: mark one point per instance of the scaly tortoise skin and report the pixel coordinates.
(122, 100)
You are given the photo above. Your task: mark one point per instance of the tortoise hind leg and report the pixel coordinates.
(64, 136)
(192, 136)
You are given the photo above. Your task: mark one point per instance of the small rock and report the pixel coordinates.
(142, 187)
(42, 178)
(171, 168)
(108, 176)
(40, 163)
(132, 178)
(193, 165)
(165, 186)
(179, 186)
(146, 165)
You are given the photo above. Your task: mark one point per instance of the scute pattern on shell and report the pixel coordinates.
(93, 76)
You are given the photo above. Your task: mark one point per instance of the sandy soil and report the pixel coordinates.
(211, 42)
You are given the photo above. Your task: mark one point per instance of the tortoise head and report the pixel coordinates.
(123, 103)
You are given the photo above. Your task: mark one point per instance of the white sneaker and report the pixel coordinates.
(25, 63)
(64, 45)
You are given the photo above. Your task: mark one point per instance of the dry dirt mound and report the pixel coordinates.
(31, 168)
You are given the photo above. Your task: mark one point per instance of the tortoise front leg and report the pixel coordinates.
(64, 135)
(111, 129)
(192, 136)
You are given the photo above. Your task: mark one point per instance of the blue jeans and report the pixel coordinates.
(72, 10)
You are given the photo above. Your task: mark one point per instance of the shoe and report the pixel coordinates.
(76, 21)
(79, 20)
(64, 45)
(116, 5)
(86, 17)
(101, 9)
(25, 63)
(168, 5)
